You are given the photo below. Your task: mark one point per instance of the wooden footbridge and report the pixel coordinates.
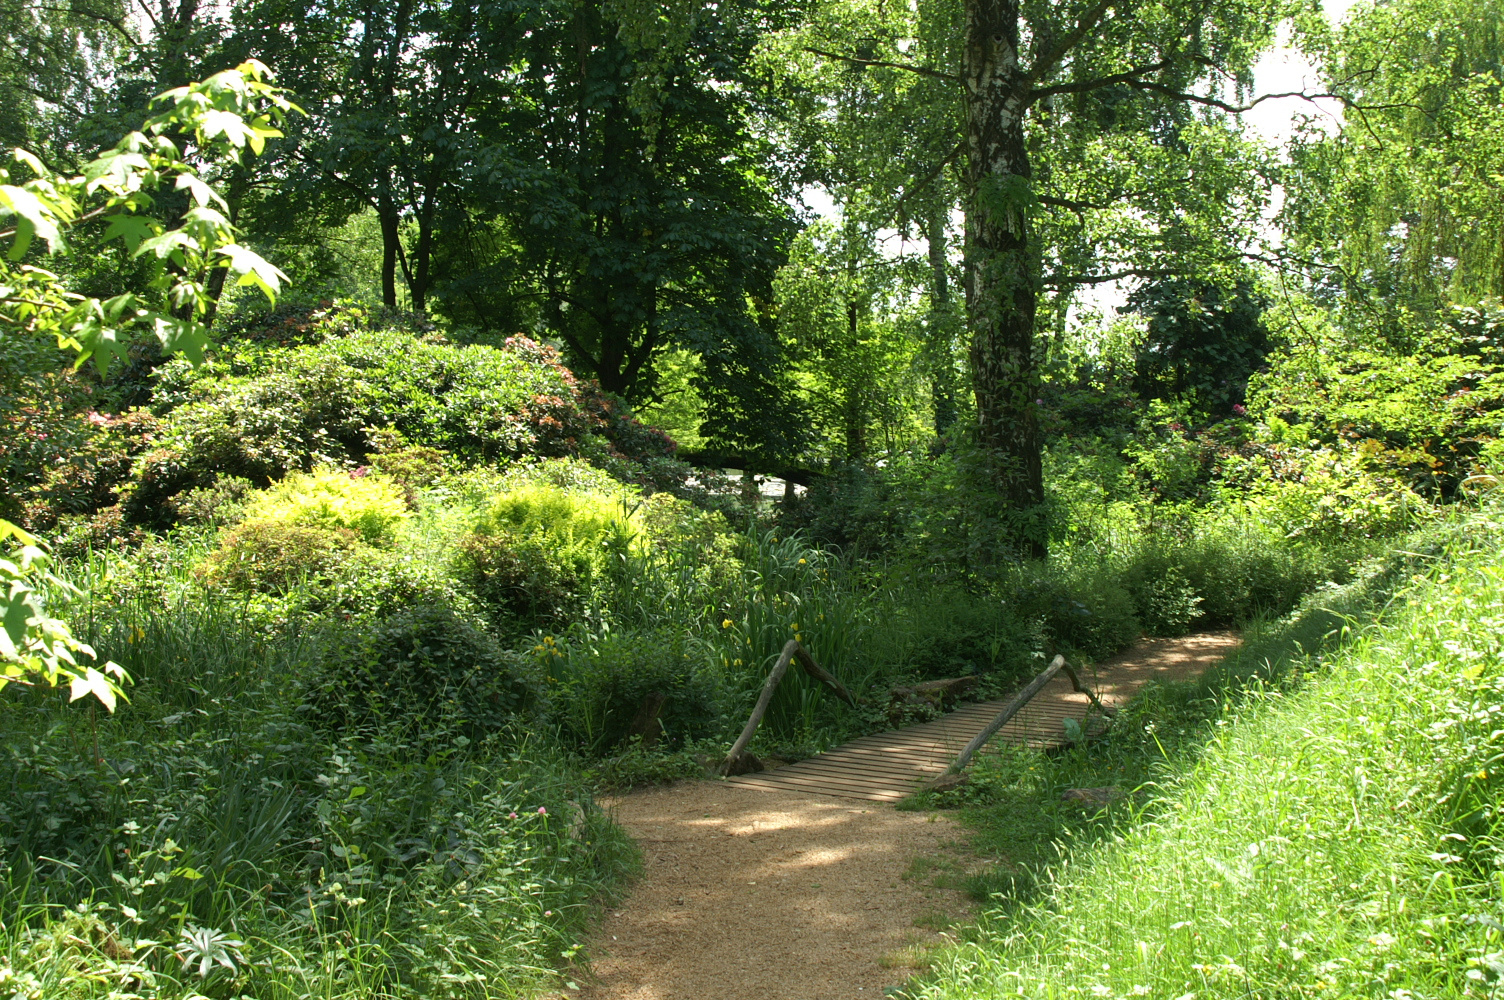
(888, 766)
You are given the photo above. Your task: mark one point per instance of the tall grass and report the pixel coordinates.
(209, 820)
(1323, 822)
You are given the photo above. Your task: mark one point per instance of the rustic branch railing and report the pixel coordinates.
(1017, 702)
(738, 760)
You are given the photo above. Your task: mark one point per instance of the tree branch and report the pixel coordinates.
(1127, 76)
(1102, 279)
(1238, 109)
(1047, 62)
(921, 70)
(928, 178)
(91, 15)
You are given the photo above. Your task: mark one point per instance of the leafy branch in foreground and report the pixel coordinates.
(34, 646)
(203, 125)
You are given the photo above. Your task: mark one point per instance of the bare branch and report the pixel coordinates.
(921, 70)
(1238, 109)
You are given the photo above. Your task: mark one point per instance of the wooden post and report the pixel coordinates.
(1017, 702)
(791, 649)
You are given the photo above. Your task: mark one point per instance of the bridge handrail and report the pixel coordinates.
(1017, 702)
(791, 650)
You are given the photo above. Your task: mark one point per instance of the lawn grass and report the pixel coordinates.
(1315, 820)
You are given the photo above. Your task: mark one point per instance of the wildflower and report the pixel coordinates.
(542, 811)
(726, 623)
(801, 562)
(794, 627)
(548, 913)
(511, 815)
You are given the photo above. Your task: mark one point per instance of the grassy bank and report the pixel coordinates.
(1317, 819)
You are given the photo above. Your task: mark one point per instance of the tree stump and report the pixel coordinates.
(645, 724)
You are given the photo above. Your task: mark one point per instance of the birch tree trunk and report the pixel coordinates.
(1004, 272)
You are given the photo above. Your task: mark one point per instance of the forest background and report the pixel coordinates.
(375, 408)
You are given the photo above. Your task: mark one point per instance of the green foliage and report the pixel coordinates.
(640, 765)
(1318, 806)
(854, 359)
(935, 632)
(332, 500)
(35, 647)
(396, 399)
(275, 557)
(1427, 420)
(596, 686)
(226, 116)
(539, 551)
(414, 666)
(222, 817)
(1201, 342)
(1398, 211)
(218, 505)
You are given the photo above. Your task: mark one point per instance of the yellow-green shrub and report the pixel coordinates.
(331, 499)
(537, 550)
(581, 527)
(273, 557)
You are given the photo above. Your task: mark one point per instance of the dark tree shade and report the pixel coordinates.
(1203, 341)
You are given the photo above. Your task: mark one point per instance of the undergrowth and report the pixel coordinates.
(1315, 819)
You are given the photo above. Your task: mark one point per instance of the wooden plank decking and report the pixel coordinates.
(888, 766)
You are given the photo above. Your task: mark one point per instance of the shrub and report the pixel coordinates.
(1083, 608)
(274, 557)
(416, 662)
(218, 505)
(330, 499)
(517, 578)
(596, 688)
(1167, 603)
(538, 551)
(949, 632)
(265, 411)
(414, 468)
(376, 582)
(76, 536)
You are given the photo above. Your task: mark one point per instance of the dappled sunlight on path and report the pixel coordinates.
(763, 888)
(754, 894)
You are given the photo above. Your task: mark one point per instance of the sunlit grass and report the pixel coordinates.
(1327, 837)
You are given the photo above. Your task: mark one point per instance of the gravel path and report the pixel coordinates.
(774, 896)
(751, 894)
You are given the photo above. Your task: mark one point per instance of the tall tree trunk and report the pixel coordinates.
(423, 252)
(855, 416)
(1005, 265)
(942, 374)
(391, 237)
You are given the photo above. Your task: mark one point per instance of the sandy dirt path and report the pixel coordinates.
(753, 894)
